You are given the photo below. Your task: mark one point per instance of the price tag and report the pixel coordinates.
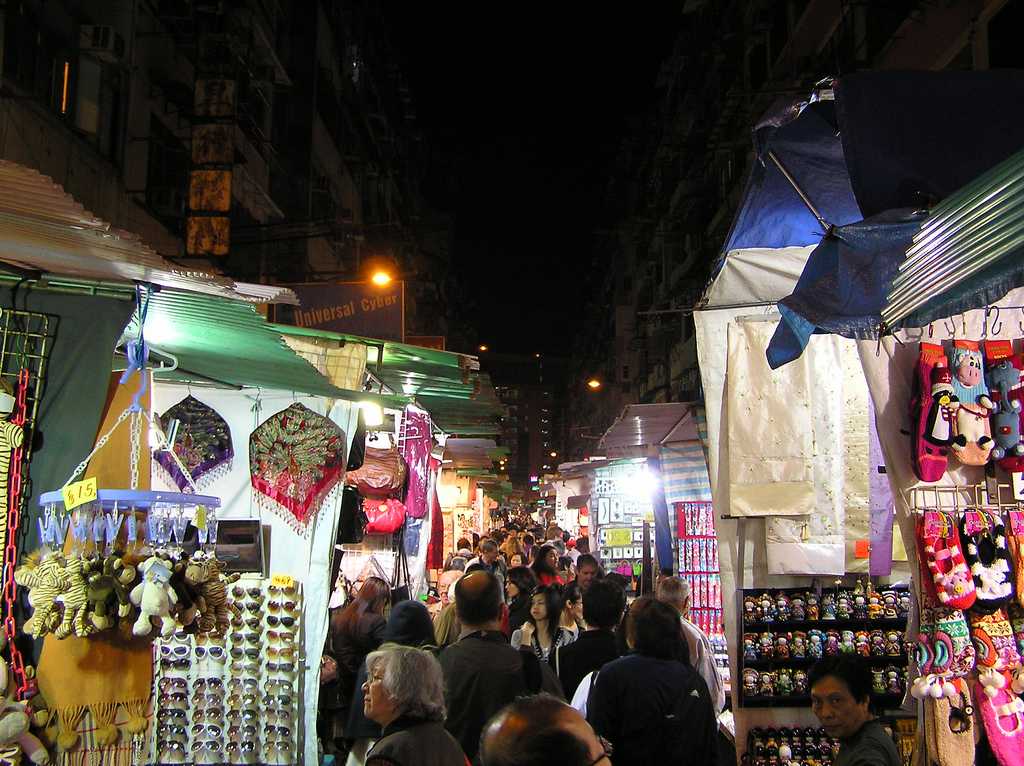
(200, 520)
(862, 549)
(618, 537)
(79, 493)
(282, 581)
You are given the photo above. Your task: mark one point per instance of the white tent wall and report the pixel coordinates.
(307, 558)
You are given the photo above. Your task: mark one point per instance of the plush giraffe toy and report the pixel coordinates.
(45, 579)
(75, 599)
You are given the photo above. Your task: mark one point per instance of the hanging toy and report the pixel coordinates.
(75, 600)
(107, 581)
(44, 576)
(951, 581)
(154, 597)
(986, 553)
(972, 437)
(1006, 419)
(203, 574)
(930, 444)
(14, 719)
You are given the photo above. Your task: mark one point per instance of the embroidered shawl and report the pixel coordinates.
(296, 459)
(202, 444)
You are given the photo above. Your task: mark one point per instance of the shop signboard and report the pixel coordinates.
(355, 308)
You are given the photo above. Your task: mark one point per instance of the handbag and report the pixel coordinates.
(383, 517)
(382, 473)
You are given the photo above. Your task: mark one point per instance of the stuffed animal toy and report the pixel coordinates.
(46, 580)
(75, 600)
(972, 435)
(14, 719)
(107, 581)
(188, 608)
(204, 575)
(1004, 376)
(154, 597)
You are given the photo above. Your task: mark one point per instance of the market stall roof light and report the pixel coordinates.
(381, 278)
(554, 454)
(373, 415)
(593, 384)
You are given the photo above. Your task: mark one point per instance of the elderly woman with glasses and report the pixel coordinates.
(405, 695)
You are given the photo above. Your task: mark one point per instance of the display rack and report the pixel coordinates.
(887, 657)
(698, 563)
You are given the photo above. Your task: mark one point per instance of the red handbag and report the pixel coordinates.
(383, 517)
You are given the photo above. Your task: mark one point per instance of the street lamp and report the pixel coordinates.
(593, 384)
(482, 347)
(381, 278)
(554, 454)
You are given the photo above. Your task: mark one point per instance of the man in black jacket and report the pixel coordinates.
(603, 603)
(482, 673)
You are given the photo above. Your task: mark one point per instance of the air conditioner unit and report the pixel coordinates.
(102, 42)
(167, 201)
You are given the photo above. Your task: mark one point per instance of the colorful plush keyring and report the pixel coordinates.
(972, 433)
(932, 435)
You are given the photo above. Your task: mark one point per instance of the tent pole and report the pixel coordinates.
(825, 225)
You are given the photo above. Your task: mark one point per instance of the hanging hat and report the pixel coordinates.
(202, 444)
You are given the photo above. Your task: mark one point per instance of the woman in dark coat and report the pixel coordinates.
(408, 625)
(355, 630)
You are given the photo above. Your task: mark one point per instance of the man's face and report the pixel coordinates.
(840, 714)
(489, 557)
(585, 575)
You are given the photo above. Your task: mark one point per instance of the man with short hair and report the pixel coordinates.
(541, 729)
(675, 592)
(587, 571)
(482, 673)
(603, 604)
(841, 699)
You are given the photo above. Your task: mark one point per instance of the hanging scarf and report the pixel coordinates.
(202, 444)
(296, 459)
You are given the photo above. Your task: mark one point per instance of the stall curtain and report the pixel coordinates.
(662, 523)
(344, 366)
(83, 331)
(684, 472)
(307, 558)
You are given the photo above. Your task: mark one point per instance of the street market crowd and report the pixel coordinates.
(531, 654)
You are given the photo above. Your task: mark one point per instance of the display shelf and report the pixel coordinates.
(806, 662)
(776, 626)
(882, 701)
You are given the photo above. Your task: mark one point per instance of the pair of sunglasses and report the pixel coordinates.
(245, 685)
(288, 590)
(208, 715)
(177, 663)
(211, 730)
(245, 746)
(269, 700)
(242, 700)
(238, 652)
(283, 651)
(213, 700)
(280, 667)
(281, 636)
(173, 700)
(172, 684)
(209, 683)
(166, 713)
(278, 716)
(248, 731)
(277, 731)
(254, 592)
(240, 622)
(277, 606)
(175, 650)
(215, 652)
(245, 715)
(245, 638)
(274, 620)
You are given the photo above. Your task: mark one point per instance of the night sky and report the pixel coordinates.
(526, 106)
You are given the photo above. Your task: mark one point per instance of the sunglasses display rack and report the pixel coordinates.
(233, 698)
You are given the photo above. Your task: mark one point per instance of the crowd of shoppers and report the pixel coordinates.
(521, 623)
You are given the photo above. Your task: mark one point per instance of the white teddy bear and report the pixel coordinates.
(154, 596)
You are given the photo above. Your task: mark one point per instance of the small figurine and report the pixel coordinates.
(798, 607)
(831, 643)
(847, 645)
(766, 687)
(782, 646)
(784, 682)
(874, 604)
(863, 643)
(844, 605)
(893, 685)
(877, 681)
(767, 607)
(893, 642)
(751, 610)
(828, 606)
(815, 644)
(877, 643)
(751, 679)
(767, 647)
(860, 602)
(890, 605)
(904, 603)
(813, 610)
(750, 647)
(782, 607)
(798, 647)
(799, 685)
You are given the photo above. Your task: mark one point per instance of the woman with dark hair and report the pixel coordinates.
(651, 705)
(355, 631)
(545, 565)
(518, 588)
(572, 609)
(542, 631)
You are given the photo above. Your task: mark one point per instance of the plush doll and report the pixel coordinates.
(14, 719)
(187, 607)
(972, 437)
(1004, 376)
(107, 581)
(154, 596)
(929, 458)
(45, 579)
(75, 600)
(204, 575)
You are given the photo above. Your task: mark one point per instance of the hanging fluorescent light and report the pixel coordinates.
(373, 415)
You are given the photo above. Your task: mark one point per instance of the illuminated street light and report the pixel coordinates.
(593, 384)
(554, 454)
(482, 347)
(381, 278)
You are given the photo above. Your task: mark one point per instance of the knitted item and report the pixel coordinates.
(972, 434)
(984, 537)
(953, 585)
(1015, 547)
(948, 639)
(994, 641)
(1001, 715)
(1016, 616)
(948, 727)
(931, 435)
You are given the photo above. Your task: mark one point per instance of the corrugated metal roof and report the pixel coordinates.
(229, 342)
(965, 233)
(46, 229)
(646, 425)
(470, 453)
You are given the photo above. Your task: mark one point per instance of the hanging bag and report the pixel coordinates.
(383, 517)
(382, 473)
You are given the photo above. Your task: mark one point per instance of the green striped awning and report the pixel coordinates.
(965, 236)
